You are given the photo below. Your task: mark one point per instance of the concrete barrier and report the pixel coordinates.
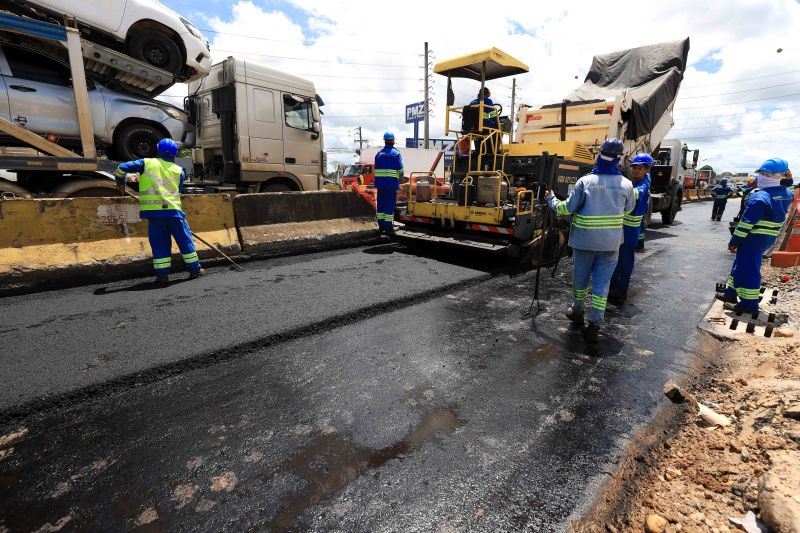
(279, 222)
(55, 240)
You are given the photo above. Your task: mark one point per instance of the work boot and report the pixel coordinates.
(162, 279)
(617, 297)
(591, 333)
(572, 314)
(197, 273)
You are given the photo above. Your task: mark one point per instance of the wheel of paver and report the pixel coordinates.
(668, 215)
(137, 141)
(158, 49)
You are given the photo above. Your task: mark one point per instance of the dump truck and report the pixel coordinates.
(497, 203)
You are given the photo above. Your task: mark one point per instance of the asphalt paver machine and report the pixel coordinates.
(496, 201)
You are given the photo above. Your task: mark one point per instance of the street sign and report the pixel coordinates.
(415, 113)
(436, 144)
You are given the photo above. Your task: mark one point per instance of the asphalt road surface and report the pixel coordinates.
(365, 389)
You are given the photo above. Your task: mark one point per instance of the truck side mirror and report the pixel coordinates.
(696, 157)
(316, 127)
(315, 112)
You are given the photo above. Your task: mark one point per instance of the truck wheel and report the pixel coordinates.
(137, 141)
(9, 189)
(277, 186)
(668, 215)
(156, 48)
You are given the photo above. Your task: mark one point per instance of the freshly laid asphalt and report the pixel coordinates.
(421, 398)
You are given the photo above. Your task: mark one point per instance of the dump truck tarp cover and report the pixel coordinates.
(652, 73)
(498, 65)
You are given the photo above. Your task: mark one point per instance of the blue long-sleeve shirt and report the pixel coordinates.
(489, 112)
(597, 205)
(721, 192)
(388, 168)
(764, 213)
(137, 167)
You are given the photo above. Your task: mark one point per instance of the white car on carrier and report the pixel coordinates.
(144, 29)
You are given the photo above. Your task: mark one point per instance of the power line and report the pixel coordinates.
(739, 92)
(314, 60)
(737, 134)
(735, 114)
(362, 116)
(738, 103)
(301, 44)
(742, 79)
(715, 125)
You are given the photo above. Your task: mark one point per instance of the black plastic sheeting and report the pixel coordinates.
(652, 73)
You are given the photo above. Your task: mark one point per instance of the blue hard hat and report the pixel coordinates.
(612, 146)
(723, 181)
(774, 165)
(167, 147)
(388, 136)
(642, 159)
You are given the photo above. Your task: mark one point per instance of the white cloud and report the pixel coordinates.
(366, 59)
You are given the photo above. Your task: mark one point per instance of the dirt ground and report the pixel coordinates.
(683, 475)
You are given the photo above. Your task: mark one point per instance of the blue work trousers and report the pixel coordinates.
(621, 280)
(744, 282)
(387, 198)
(599, 266)
(161, 231)
(718, 208)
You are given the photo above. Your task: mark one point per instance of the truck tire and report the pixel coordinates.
(9, 189)
(137, 141)
(87, 188)
(277, 186)
(158, 49)
(668, 214)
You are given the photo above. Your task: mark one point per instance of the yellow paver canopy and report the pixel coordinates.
(498, 65)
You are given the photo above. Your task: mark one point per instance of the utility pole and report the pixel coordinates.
(513, 101)
(360, 140)
(427, 106)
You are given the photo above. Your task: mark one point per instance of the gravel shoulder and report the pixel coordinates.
(681, 474)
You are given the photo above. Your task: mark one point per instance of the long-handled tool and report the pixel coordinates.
(211, 246)
(545, 231)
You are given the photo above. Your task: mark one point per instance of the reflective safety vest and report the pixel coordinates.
(159, 186)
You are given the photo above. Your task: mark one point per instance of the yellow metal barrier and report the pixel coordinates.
(49, 238)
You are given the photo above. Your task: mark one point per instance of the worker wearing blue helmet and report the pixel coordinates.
(721, 194)
(763, 216)
(597, 206)
(388, 171)
(631, 227)
(160, 185)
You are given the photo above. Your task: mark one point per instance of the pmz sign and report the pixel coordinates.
(445, 145)
(415, 113)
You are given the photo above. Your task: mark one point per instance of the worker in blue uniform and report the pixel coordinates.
(160, 186)
(631, 228)
(388, 171)
(597, 205)
(721, 194)
(490, 119)
(764, 214)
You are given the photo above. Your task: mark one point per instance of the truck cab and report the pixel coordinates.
(358, 174)
(676, 165)
(258, 129)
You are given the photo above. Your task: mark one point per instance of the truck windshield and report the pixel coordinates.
(353, 171)
(297, 114)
